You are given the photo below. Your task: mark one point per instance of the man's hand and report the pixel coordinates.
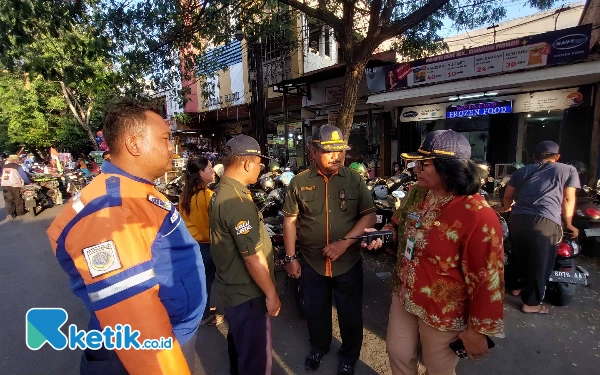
(475, 343)
(273, 305)
(502, 209)
(374, 245)
(574, 232)
(293, 269)
(334, 250)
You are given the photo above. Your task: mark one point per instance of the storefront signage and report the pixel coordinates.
(479, 109)
(548, 100)
(555, 47)
(423, 113)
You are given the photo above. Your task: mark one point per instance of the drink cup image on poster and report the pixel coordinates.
(419, 74)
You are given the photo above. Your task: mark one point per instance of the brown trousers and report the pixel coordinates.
(404, 332)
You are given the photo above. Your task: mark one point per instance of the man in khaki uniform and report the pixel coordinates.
(324, 204)
(242, 252)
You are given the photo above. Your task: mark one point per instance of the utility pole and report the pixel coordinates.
(260, 98)
(493, 27)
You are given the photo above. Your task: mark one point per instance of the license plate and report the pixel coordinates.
(569, 277)
(379, 219)
(592, 232)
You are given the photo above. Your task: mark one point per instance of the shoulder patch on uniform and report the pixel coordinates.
(174, 217)
(159, 202)
(243, 227)
(102, 258)
(304, 188)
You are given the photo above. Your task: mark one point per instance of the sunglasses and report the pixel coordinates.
(421, 164)
(342, 196)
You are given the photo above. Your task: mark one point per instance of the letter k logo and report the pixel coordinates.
(43, 325)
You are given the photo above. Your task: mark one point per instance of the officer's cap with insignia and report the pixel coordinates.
(242, 145)
(329, 138)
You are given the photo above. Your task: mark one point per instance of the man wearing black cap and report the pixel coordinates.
(242, 252)
(541, 191)
(329, 202)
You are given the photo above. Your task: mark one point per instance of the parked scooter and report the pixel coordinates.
(587, 213)
(34, 199)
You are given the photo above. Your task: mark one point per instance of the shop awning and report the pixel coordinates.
(510, 83)
(339, 70)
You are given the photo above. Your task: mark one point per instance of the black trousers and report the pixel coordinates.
(347, 289)
(534, 246)
(13, 201)
(249, 338)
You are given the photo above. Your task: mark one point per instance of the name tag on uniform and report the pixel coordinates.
(305, 188)
(410, 249)
(413, 216)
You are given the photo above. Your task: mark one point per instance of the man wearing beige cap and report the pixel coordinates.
(12, 180)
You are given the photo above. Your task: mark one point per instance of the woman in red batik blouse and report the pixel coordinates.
(449, 279)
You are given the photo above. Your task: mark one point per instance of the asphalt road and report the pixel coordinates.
(565, 342)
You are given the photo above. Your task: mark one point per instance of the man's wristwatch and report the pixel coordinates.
(289, 258)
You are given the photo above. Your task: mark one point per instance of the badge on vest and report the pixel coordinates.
(307, 188)
(102, 258)
(159, 202)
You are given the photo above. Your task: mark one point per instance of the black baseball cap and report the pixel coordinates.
(329, 138)
(546, 147)
(442, 144)
(242, 145)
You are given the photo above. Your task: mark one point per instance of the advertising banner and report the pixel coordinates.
(479, 109)
(554, 47)
(549, 100)
(423, 113)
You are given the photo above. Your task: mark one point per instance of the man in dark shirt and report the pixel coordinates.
(243, 255)
(329, 202)
(541, 191)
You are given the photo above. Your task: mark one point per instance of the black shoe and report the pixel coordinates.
(313, 361)
(345, 369)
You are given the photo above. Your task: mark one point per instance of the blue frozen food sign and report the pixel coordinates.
(479, 109)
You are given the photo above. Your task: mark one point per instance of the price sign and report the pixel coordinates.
(459, 68)
(488, 63)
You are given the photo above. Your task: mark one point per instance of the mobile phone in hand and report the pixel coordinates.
(458, 347)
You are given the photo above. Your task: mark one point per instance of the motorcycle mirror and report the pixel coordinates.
(398, 194)
(410, 165)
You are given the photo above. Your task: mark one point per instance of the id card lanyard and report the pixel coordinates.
(409, 251)
(416, 220)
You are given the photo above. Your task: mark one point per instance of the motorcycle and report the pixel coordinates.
(34, 199)
(172, 190)
(566, 275)
(587, 220)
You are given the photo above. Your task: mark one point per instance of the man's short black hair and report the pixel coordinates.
(126, 115)
(545, 156)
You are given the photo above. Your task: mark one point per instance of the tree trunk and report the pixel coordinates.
(82, 118)
(354, 76)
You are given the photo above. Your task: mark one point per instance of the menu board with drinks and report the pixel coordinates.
(555, 47)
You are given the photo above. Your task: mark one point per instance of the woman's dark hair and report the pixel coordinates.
(193, 182)
(461, 177)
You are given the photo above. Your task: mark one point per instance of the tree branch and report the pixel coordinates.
(321, 14)
(399, 27)
(70, 103)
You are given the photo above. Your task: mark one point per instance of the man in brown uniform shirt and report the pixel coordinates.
(329, 202)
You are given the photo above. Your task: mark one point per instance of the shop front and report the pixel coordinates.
(506, 129)
(539, 90)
